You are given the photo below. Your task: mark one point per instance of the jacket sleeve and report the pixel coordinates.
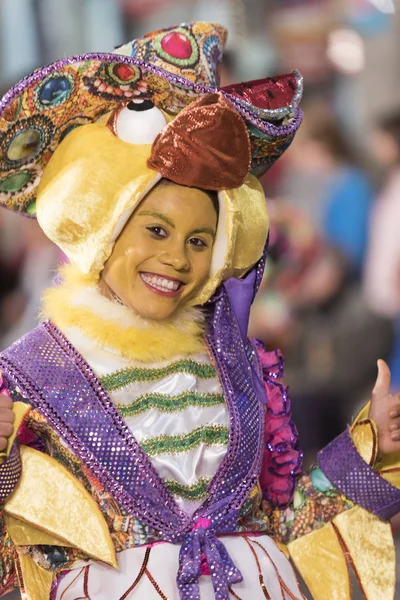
(10, 472)
(336, 514)
(10, 461)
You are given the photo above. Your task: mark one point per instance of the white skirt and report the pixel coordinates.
(253, 555)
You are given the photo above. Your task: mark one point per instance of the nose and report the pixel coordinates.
(175, 255)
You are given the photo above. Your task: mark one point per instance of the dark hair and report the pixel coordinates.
(334, 139)
(390, 124)
(212, 194)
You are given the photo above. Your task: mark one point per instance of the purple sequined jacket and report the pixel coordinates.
(70, 405)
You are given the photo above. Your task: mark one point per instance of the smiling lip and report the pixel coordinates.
(162, 285)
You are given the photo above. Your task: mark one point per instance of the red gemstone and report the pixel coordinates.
(124, 72)
(177, 45)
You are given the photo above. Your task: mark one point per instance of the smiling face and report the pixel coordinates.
(162, 258)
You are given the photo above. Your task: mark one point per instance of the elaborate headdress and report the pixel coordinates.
(84, 139)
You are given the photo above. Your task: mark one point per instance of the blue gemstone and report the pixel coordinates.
(55, 91)
(134, 50)
(320, 482)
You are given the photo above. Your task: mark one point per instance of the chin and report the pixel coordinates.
(153, 314)
(156, 316)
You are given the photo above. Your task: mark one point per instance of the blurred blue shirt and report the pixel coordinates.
(347, 209)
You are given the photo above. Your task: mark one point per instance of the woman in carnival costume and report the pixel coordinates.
(148, 447)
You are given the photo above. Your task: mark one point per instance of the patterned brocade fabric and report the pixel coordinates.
(126, 531)
(8, 575)
(315, 502)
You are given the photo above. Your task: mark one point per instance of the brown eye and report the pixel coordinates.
(157, 231)
(197, 242)
(139, 122)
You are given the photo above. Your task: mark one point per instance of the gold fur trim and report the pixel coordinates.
(77, 302)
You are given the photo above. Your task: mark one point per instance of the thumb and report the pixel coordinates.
(382, 384)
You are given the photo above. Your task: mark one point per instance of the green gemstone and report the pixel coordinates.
(24, 144)
(31, 208)
(15, 182)
(319, 480)
(298, 500)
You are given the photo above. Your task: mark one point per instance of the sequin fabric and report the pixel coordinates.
(269, 94)
(238, 472)
(126, 531)
(10, 472)
(69, 395)
(282, 457)
(231, 498)
(346, 469)
(201, 552)
(10, 469)
(182, 151)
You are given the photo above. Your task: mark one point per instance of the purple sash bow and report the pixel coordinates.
(202, 546)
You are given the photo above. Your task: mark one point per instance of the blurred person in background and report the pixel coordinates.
(313, 307)
(12, 251)
(382, 270)
(322, 176)
(40, 258)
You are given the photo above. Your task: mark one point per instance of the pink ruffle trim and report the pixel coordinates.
(4, 385)
(282, 460)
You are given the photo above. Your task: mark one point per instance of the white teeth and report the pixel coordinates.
(165, 285)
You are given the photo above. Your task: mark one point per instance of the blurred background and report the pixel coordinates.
(331, 294)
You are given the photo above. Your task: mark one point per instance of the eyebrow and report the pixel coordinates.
(205, 230)
(157, 215)
(151, 213)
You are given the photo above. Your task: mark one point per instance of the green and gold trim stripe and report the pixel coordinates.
(169, 404)
(124, 377)
(196, 491)
(212, 435)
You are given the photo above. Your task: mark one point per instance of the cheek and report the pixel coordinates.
(201, 267)
(114, 275)
(136, 254)
(121, 272)
(134, 257)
